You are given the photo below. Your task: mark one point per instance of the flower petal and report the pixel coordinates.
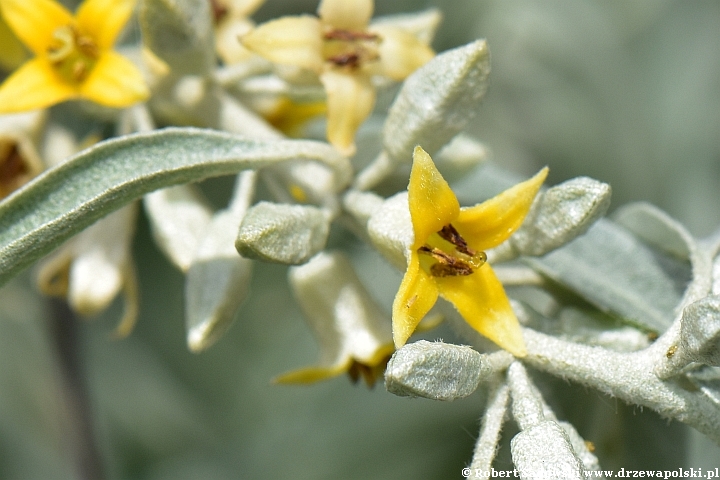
(289, 41)
(350, 100)
(227, 45)
(102, 253)
(401, 53)
(492, 222)
(313, 374)
(34, 85)
(482, 302)
(432, 203)
(35, 21)
(12, 52)
(417, 294)
(104, 19)
(346, 14)
(114, 82)
(244, 7)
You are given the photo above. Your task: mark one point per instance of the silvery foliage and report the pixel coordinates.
(649, 324)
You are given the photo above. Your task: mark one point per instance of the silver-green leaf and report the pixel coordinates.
(614, 270)
(437, 101)
(180, 32)
(65, 200)
(282, 233)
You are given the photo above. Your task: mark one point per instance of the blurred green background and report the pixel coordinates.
(625, 92)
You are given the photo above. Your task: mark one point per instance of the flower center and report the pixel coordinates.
(448, 254)
(72, 53)
(369, 373)
(350, 49)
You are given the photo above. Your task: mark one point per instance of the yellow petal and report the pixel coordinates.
(401, 53)
(244, 7)
(35, 21)
(227, 44)
(114, 82)
(417, 294)
(104, 19)
(492, 222)
(432, 203)
(350, 100)
(34, 85)
(12, 51)
(346, 14)
(289, 41)
(482, 302)
(312, 374)
(289, 116)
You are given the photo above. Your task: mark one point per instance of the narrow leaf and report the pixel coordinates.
(99, 180)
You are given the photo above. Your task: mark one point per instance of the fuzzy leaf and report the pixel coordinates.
(439, 371)
(612, 269)
(101, 179)
(282, 233)
(560, 214)
(437, 101)
(180, 32)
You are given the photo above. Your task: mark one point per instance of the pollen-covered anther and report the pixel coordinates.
(462, 261)
(352, 49)
(449, 233)
(72, 53)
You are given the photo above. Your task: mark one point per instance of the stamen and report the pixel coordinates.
(449, 233)
(351, 49)
(351, 60)
(447, 266)
(460, 261)
(349, 35)
(369, 373)
(72, 54)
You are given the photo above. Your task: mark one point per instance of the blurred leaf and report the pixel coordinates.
(180, 32)
(618, 273)
(66, 199)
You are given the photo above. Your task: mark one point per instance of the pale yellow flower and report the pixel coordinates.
(231, 22)
(74, 56)
(447, 256)
(345, 51)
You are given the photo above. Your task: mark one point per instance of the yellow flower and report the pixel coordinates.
(447, 257)
(231, 22)
(73, 55)
(345, 51)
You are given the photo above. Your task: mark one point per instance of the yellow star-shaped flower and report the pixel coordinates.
(447, 256)
(345, 50)
(73, 55)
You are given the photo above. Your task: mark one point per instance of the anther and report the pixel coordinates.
(447, 266)
(449, 233)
